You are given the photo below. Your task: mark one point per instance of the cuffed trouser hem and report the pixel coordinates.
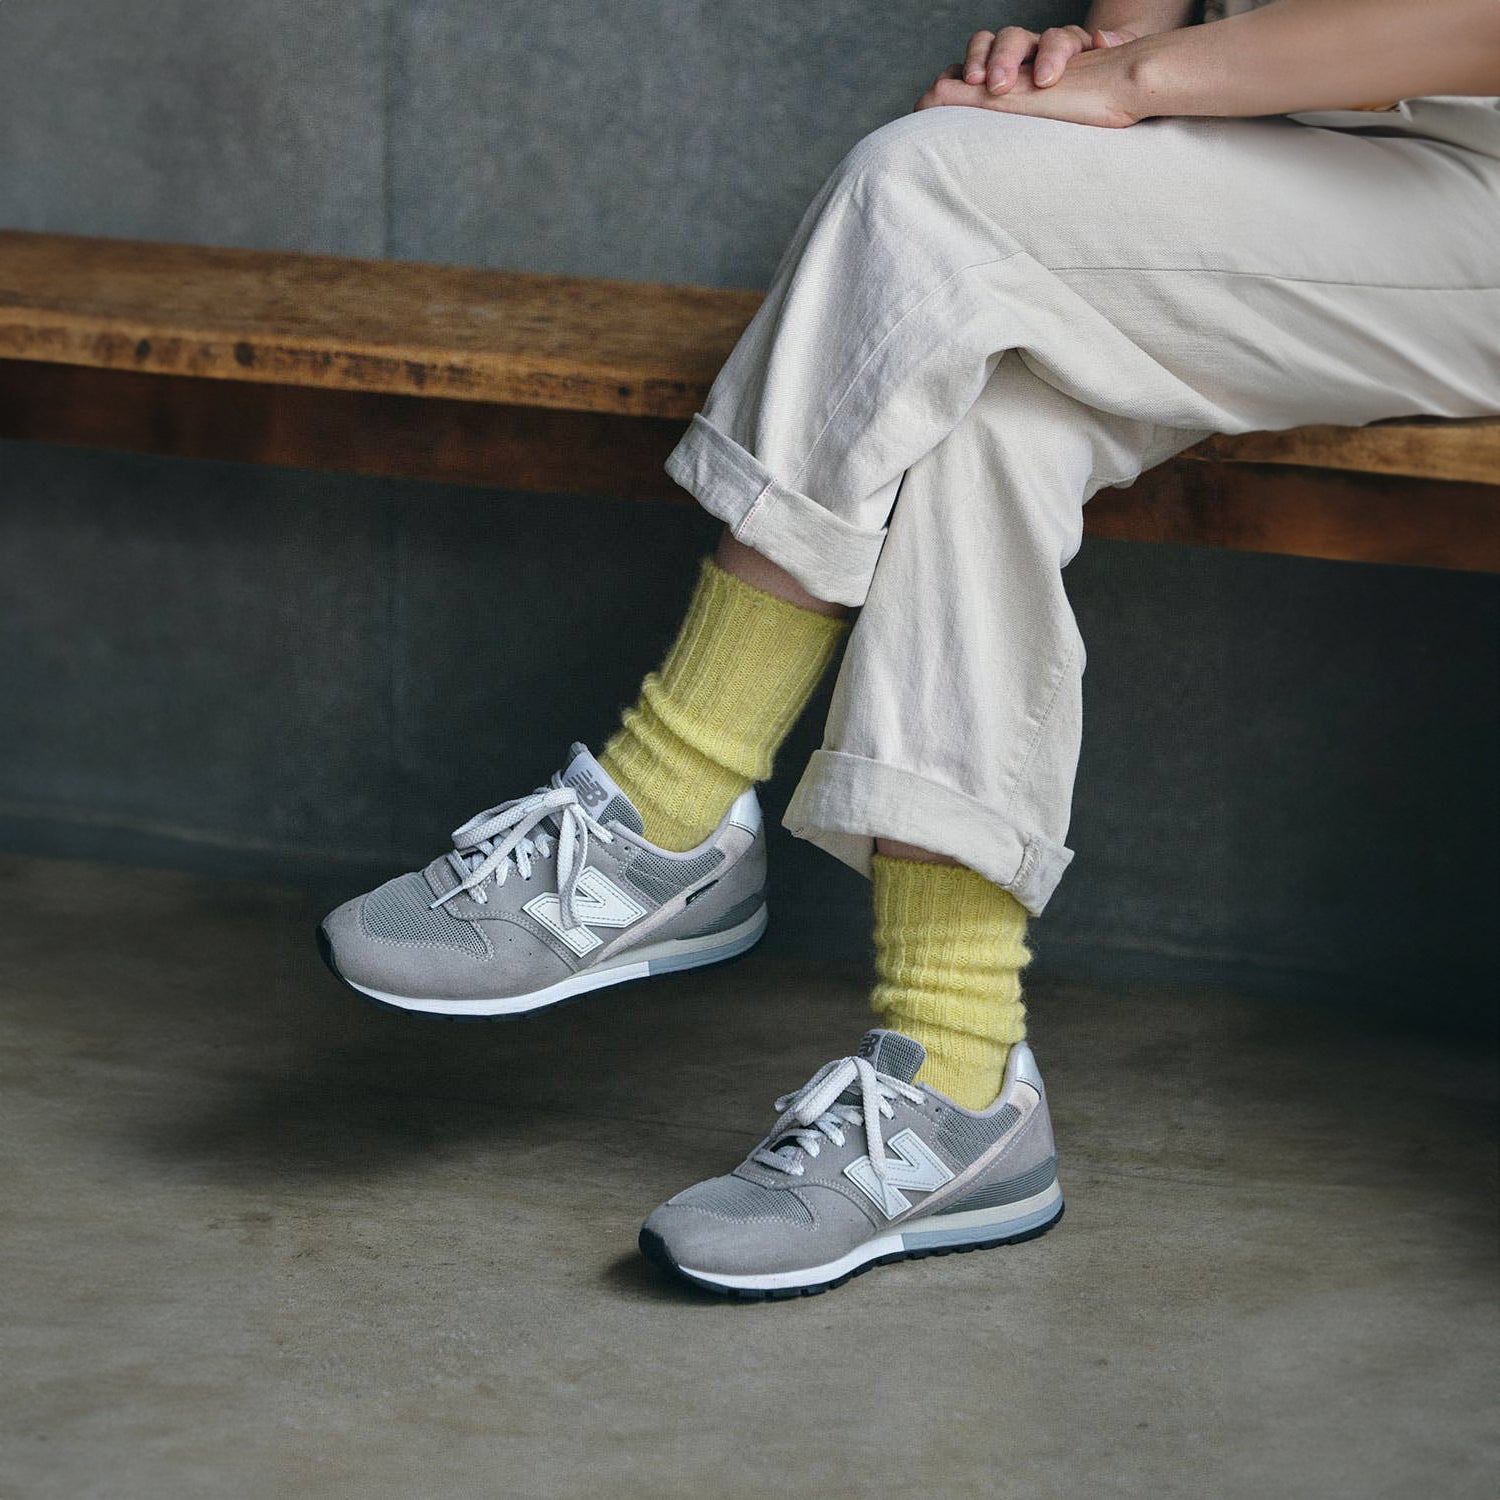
(844, 802)
(829, 557)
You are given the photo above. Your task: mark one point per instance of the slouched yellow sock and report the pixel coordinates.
(949, 950)
(709, 722)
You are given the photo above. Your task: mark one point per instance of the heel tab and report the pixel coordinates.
(745, 812)
(1020, 1067)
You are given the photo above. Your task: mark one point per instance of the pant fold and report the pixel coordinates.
(844, 802)
(831, 558)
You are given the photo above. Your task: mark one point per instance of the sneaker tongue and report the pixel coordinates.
(892, 1053)
(601, 798)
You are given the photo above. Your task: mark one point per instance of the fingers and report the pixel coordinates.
(976, 55)
(995, 58)
(946, 90)
(1010, 48)
(1058, 46)
(951, 89)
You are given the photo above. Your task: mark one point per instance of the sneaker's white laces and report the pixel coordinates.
(509, 837)
(814, 1114)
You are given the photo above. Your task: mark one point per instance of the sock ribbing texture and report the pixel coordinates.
(949, 950)
(708, 723)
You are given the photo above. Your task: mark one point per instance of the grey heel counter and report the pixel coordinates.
(1021, 1069)
(1041, 1123)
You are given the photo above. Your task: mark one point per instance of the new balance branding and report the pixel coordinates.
(590, 793)
(597, 900)
(916, 1167)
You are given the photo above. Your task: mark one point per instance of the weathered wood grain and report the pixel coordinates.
(1425, 448)
(359, 432)
(526, 341)
(1307, 512)
(575, 344)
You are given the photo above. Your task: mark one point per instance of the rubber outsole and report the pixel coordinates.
(654, 1248)
(325, 952)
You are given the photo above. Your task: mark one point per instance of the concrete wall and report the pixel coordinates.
(1289, 776)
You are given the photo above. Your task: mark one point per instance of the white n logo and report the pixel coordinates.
(916, 1167)
(596, 900)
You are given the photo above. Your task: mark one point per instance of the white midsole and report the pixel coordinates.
(683, 953)
(893, 1243)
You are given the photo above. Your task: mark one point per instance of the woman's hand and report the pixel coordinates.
(1095, 90)
(1278, 59)
(994, 59)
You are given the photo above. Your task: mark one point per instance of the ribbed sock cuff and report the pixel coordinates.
(742, 668)
(968, 1069)
(679, 792)
(950, 947)
(710, 721)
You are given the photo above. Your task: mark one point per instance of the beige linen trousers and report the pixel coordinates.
(985, 318)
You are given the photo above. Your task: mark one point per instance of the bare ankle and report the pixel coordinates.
(749, 566)
(895, 849)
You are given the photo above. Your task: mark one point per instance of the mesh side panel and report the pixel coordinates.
(618, 810)
(662, 878)
(993, 1194)
(398, 912)
(964, 1137)
(890, 1052)
(734, 1198)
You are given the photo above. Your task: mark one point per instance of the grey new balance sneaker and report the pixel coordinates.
(862, 1168)
(547, 897)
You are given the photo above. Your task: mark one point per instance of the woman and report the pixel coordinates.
(1080, 255)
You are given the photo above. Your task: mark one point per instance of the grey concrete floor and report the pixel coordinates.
(262, 1239)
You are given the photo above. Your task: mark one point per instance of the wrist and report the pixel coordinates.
(1168, 74)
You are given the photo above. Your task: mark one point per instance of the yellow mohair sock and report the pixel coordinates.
(707, 725)
(949, 950)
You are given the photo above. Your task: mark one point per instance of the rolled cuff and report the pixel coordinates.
(844, 802)
(828, 556)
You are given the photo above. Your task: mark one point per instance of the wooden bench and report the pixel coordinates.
(566, 385)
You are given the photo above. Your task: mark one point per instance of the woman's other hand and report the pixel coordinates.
(1096, 89)
(993, 60)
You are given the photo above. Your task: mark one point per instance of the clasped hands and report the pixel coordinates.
(1065, 73)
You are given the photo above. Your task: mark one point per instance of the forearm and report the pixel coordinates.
(1317, 54)
(1143, 17)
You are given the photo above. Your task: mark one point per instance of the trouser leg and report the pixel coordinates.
(957, 716)
(1202, 275)
(992, 317)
